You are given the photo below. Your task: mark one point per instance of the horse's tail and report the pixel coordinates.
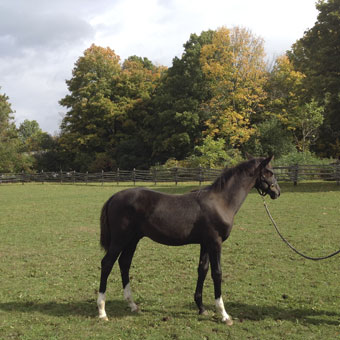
(105, 234)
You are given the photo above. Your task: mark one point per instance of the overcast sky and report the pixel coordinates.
(40, 40)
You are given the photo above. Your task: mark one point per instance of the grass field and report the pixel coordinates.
(50, 266)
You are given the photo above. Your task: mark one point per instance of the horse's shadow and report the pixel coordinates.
(245, 312)
(88, 308)
(119, 309)
(311, 316)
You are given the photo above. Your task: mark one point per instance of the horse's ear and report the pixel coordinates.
(249, 156)
(266, 161)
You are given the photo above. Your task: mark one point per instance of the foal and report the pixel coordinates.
(203, 217)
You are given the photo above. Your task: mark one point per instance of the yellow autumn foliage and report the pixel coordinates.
(235, 68)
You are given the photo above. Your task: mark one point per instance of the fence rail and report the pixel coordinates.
(295, 174)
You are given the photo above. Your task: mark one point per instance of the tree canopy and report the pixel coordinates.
(317, 55)
(218, 99)
(107, 108)
(11, 159)
(235, 68)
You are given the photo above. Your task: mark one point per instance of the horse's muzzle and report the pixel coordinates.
(274, 191)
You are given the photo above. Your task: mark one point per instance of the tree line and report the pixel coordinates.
(221, 98)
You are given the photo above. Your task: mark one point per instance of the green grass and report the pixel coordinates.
(50, 266)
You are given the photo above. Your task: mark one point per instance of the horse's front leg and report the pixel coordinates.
(216, 274)
(203, 267)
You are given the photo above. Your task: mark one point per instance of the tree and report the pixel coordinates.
(317, 55)
(27, 129)
(178, 121)
(11, 160)
(306, 123)
(138, 82)
(212, 153)
(270, 138)
(285, 91)
(93, 104)
(30, 135)
(234, 65)
(107, 110)
(288, 103)
(39, 146)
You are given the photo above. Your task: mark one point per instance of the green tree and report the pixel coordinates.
(178, 121)
(11, 160)
(212, 153)
(30, 135)
(138, 82)
(93, 105)
(287, 103)
(27, 129)
(39, 146)
(271, 137)
(306, 124)
(317, 55)
(108, 111)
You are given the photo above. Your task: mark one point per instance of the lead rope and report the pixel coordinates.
(289, 245)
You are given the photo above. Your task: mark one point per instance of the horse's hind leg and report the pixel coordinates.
(202, 273)
(125, 260)
(106, 266)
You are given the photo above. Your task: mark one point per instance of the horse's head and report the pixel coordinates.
(266, 182)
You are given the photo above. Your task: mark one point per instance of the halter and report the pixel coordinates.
(262, 179)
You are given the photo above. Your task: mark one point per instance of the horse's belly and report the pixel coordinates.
(170, 220)
(170, 234)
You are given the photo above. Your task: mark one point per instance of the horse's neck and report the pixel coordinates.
(236, 190)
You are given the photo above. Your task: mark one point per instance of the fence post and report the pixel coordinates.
(102, 177)
(176, 175)
(134, 176)
(117, 176)
(296, 174)
(200, 175)
(42, 176)
(61, 176)
(22, 177)
(155, 175)
(337, 169)
(74, 176)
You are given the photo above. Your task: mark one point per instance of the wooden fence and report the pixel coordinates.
(293, 174)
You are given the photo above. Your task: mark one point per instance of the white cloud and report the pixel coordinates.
(160, 28)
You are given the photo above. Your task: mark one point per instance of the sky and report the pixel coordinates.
(41, 40)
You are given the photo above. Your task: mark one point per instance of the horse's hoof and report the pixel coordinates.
(203, 312)
(134, 308)
(229, 322)
(104, 318)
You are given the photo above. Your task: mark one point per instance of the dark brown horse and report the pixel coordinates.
(203, 217)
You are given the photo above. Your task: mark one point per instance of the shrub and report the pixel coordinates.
(296, 157)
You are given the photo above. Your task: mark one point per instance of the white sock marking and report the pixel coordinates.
(128, 298)
(220, 307)
(101, 306)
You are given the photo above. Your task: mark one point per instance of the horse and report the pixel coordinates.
(203, 217)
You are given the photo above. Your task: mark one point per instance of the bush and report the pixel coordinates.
(296, 157)
(271, 138)
(211, 154)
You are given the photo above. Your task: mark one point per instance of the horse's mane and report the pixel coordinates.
(246, 167)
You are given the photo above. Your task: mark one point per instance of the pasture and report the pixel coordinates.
(50, 266)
